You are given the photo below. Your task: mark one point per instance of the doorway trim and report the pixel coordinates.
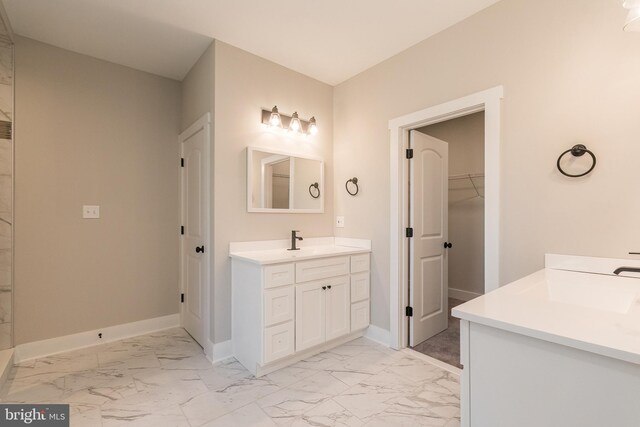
(488, 101)
(204, 124)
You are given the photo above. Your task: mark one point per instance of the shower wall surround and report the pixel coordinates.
(6, 195)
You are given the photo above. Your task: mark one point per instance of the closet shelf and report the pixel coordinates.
(470, 177)
(466, 176)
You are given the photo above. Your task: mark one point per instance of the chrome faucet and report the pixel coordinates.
(293, 240)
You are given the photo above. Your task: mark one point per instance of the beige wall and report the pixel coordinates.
(570, 75)
(197, 89)
(92, 132)
(244, 84)
(465, 136)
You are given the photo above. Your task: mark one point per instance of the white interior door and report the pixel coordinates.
(194, 251)
(429, 216)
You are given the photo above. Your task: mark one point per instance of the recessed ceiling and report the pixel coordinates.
(330, 40)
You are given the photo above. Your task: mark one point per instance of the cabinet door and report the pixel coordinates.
(278, 305)
(310, 315)
(359, 315)
(360, 286)
(278, 342)
(338, 307)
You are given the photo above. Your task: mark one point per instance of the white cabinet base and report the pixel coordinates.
(305, 354)
(515, 380)
(289, 311)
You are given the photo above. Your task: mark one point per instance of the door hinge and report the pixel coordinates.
(409, 232)
(181, 162)
(182, 229)
(409, 153)
(408, 311)
(181, 297)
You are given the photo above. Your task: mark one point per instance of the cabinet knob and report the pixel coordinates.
(329, 287)
(324, 288)
(447, 245)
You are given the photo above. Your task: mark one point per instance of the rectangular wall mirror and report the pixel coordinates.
(284, 182)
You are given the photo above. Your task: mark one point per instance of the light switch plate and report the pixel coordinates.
(90, 211)
(340, 222)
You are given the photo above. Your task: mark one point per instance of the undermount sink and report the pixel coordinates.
(600, 292)
(313, 251)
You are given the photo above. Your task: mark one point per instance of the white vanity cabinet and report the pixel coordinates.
(285, 311)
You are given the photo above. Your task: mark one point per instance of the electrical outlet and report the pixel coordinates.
(340, 222)
(90, 211)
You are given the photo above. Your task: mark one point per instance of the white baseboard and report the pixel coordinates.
(377, 334)
(219, 351)
(37, 349)
(462, 295)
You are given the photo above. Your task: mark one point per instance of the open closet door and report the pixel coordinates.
(429, 217)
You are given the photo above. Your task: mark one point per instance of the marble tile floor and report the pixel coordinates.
(163, 379)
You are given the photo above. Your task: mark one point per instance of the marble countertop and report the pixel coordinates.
(275, 252)
(598, 313)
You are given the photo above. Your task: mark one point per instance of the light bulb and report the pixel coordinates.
(633, 20)
(295, 125)
(313, 127)
(275, 120)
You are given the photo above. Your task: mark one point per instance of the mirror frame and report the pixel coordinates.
(251, 209)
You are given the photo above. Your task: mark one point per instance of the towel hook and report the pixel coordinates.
(577, 150)
(317, 187)
(354, 181)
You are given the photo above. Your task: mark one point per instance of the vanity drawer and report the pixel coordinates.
(278, 342)
(359, 286)
(359, 315)
(359, 263)
(307, 271)
(279, 305)
(278, 275)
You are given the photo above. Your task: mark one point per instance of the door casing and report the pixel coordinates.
(489, 101)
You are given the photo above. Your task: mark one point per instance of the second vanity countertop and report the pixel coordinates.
(593, 312)
(275, 251)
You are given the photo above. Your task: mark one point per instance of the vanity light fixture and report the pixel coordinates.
(632, 23)
(273, 118)
(313, 127)
(295, 125)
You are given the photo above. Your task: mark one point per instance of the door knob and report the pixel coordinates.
(200, 249)
(447, 245)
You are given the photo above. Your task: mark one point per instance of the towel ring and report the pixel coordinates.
(577, 151)
(353, 180)
(317, 187)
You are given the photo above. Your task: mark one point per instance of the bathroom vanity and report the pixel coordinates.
(288, 305)
(560, 347)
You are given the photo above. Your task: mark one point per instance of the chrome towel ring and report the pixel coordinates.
(354, 181)
(577, 151)
(317, 187)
